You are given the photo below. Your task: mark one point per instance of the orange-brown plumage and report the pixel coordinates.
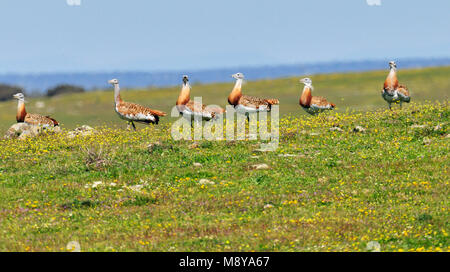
(313, 104)
(133, 112)
(236, 97)
(23, 116)
(37, 119)
(391, 82)
(187, 106)
(256, 102)
(393, 92)
(306, 97)
(128, 108)
(403, 90)
(201, 108)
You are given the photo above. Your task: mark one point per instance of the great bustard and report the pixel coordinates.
(189, 109)
(31, 118)
(393, 92)
(132, 112)
(246, 104)
(313, 104)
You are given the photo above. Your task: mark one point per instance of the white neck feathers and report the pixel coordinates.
(117, 92)
(308, 86)
(238, 83)
(21, 101)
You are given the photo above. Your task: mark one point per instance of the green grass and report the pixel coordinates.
(336, 191)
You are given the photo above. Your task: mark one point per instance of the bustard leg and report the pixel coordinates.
(130, 125)
(400, 104)
(390, 107)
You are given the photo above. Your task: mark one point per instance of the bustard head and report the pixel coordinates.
(392, 64)
(185, 79)
(307, 81)
(238, 76)
(113, 81)
(19, 96)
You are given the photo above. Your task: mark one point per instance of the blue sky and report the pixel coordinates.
(142, 35)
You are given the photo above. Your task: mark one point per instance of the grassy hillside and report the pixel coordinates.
(324, 190)
(359, 91)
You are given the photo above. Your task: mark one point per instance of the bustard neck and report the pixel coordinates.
(185, 94)
(117, 98)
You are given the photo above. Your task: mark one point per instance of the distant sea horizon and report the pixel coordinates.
(39, 83)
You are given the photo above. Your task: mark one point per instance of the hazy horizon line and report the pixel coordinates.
(93, 72)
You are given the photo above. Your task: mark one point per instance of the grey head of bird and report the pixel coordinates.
(19, 96)
(113, 81)
(307, 81)
(392, 64)
(238, 76)
(185, 79)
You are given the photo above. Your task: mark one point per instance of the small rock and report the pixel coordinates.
(96, 183)
(314, 134)
(261, 166)
(448, 136)
(437, 128)
(56, 129)
(268, 206)
(197, 164)
(23, 130)
(136, 188)
(84, 130)
(418, 126)
(338, 129)
(15, 130)
(287, 155)
(32, 132)
(206, 182)
(254, 157)
(373, 246)
(73, 246)
(93, 185)
(322, 179)
(359, 129)
(426, 141)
